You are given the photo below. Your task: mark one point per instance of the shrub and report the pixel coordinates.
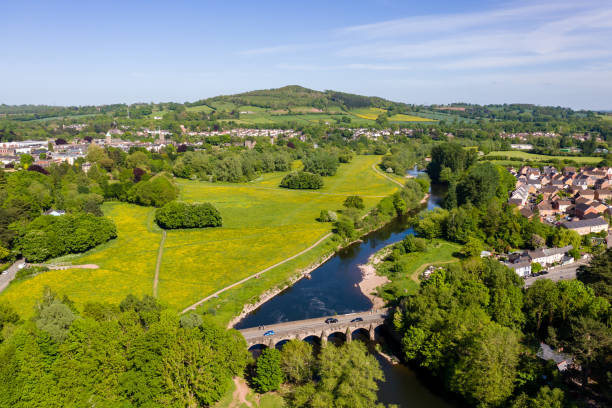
(302, 180)
(182, 215)
(29, 272)
(327, 216)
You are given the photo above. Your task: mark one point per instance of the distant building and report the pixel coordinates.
(55, 213)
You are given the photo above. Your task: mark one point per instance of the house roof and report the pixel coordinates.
(547, 353)
(592, 222)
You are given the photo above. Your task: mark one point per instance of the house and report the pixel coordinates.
(587, 193)
(603, 183)
(522, 268)
(548, 256)
(548, 192)
(526, 212)
(546, 209)
(602, 194)
(561, 360)
(582, 209)
(584, 227)
(562, 205)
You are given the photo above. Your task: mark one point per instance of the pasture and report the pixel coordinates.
(262, 225)
(583, 160)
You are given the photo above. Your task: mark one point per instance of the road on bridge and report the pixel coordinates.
(287, 329)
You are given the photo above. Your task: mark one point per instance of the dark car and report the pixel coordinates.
(269, 333)
(331, 320)
(357, 319)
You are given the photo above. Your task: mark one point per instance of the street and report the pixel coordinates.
(559, 273)
(7, 276)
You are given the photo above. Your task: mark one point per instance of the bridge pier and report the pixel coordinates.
(348, 335)
(323, 337)
(372, 333)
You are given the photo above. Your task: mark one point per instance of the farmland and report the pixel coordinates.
(582, 160)
(263, 224)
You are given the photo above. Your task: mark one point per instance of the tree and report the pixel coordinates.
(536, 267)
(486, 369)
(302, 180)
(55, 319)
(345, 228)
(26, 160)
(354, 202)
(182, 215)
(479, 185)
(297, 361)
(155, 192)
(321, 162)
(268, 373)
(598, 274)
(473, 247)
(591, 341)
(349, 376)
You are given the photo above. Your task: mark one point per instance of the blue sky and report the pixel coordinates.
(84, 52)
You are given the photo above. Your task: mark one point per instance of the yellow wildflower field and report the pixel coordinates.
(262, 225)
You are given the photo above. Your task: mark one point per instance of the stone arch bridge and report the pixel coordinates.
(347, 326)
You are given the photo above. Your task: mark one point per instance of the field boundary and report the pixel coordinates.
(160, 253)
(255, 275)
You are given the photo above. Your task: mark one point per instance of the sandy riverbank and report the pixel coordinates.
(370, 280)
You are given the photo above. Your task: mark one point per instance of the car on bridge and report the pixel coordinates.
(269, 333)
(357, 319)
(331, 320)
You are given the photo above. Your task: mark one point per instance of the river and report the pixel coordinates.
(333, 289)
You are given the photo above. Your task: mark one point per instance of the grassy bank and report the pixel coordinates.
(404, 273)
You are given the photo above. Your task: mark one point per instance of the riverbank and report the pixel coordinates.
(268, 295)
(371, 280)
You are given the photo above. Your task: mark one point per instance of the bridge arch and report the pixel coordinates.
(279, 344)
(336, 337)
(360, 333)
(312, 339)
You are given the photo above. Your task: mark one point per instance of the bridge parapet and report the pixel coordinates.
(302, 329)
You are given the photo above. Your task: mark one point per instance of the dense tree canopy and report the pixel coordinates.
(52, 236)
(183, 215)
(302, 180)
(133, 355)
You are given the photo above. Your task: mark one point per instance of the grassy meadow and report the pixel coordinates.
(583, 160)
(127, 264)
(262, 225)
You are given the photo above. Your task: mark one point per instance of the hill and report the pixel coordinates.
(296, 96)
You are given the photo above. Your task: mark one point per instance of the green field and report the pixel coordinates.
(263, 224)
(585, 160)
